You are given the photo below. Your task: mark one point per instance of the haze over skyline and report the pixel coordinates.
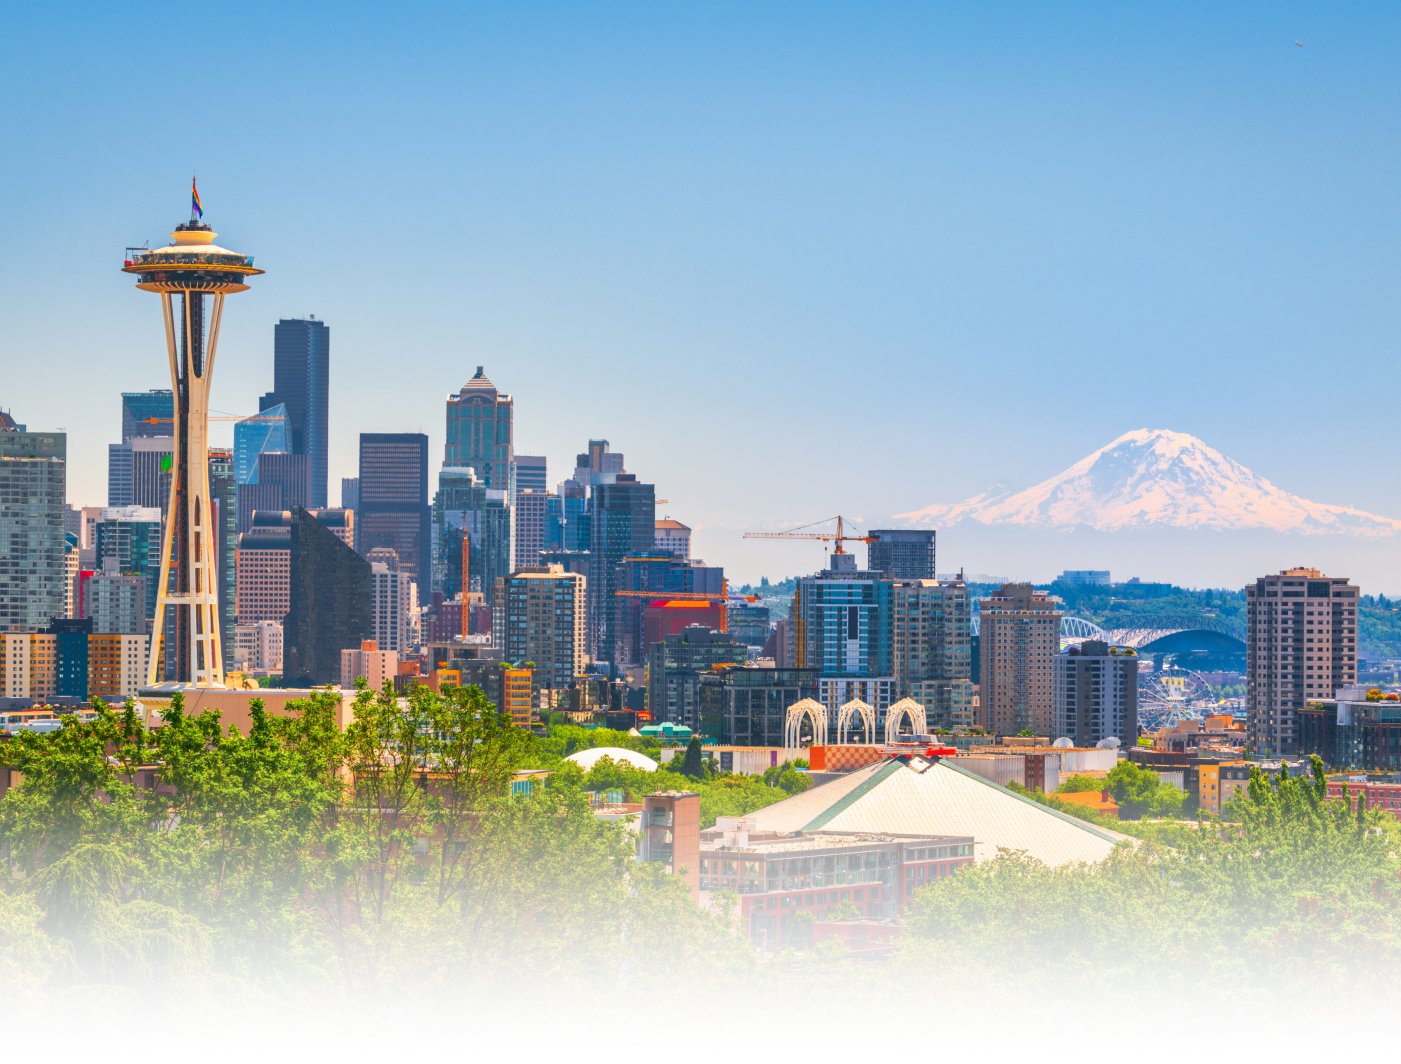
(792, 261)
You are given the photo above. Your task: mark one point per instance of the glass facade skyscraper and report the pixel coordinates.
(394, 509)
(622, 522)
(331, 600)
(270, 431)
(479, 431)
(302, 383)
(33, 546)
(466, 508)
(147, 413)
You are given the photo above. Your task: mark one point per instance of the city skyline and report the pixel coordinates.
(1188, 247)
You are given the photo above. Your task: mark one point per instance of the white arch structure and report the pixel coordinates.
(806, 709)
(907, 709)
(847, 716)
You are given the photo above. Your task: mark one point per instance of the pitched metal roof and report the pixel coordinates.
(919, 797)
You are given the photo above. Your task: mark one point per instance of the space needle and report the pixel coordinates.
(192, 275)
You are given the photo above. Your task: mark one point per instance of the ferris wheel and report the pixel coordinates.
(1172, 694)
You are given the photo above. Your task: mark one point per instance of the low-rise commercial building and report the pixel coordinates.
(780, 874)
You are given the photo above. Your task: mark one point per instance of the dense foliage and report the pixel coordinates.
(301, 856)
(1285, 888)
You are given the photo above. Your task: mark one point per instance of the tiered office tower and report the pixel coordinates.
(479, 431)
(192, 276)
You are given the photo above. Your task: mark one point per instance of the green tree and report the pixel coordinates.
(693, 764)
(1139, 792)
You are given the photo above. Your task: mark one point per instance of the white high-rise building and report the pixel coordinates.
(394, 618)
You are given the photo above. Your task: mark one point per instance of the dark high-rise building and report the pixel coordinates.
(1097, 693)
(623, 522)
(71, 656)
(662, 572)
(675, 667)
(745, 706)
(350, 493)
(33, 545)
(301, 381)
(331, 603)
(750, 623)
(903, 553)
(147, 413)
(223, 493)
(394, 509)
(282, 483)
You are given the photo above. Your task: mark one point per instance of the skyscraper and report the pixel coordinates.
(675, 667)
(903, 553)
(472, 528)
(223, 492)
(1097, 693)
(149, 413)
(265, 568)
(331, 602)
(280, 483)
(1301, 646)
(394, 508)
(128, 541)
(1019, 637)
(394, 606)
(933, 648)
(531, 472)
(301, 382)
(33, 545)
(529, 512)
(268, 431)
(842, 628)
(660, 571)
(541, 619)
(622, 522)
(479, 431)
(115, 602)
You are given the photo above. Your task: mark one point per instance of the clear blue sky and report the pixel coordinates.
(793, 259)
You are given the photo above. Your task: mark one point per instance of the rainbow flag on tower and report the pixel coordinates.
(196, 210)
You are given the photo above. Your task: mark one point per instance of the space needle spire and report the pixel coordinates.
(192, 275)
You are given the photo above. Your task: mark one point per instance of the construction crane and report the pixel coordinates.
(689, 596)
(838, 538)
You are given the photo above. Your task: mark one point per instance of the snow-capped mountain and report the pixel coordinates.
(1157, 478)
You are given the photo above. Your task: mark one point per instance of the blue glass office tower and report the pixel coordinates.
(301, 381)
(147, 413)
(270, 431)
